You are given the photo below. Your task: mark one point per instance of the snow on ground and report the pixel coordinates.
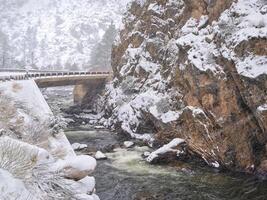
(12, 188)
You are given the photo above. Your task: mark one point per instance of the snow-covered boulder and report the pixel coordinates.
(76, 167)
(100, 156)
(128, 144)
(170, 147)
(85, 185)
(78, 146)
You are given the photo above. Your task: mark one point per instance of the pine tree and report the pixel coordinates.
(101, 53)
(4, 50)
(29, 46)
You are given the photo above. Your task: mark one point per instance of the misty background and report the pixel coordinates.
(59, 34)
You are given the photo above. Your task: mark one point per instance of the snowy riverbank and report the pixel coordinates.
(36, 159)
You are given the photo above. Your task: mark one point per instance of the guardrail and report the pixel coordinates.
(31, 74)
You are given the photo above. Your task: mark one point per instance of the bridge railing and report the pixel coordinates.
(32, 74)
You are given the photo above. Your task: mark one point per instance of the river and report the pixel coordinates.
(126, 176)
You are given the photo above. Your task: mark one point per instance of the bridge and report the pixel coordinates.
(87, 83)
(46, 79)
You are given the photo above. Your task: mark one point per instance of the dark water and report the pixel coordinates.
(125, 176)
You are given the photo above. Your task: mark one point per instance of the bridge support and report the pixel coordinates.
(86, 94)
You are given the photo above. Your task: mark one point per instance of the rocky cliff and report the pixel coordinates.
(194, 69)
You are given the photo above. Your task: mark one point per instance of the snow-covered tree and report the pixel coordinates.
(101, 54)
(30, 46)
(4, 50)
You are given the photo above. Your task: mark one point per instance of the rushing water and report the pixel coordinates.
(126, 176)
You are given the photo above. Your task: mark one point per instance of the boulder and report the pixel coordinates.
(76, 167)
(128, 144)
(77, 146)
(100, 156)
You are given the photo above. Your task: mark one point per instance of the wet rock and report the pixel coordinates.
(2, 132)
(187, 171)
(263, 168)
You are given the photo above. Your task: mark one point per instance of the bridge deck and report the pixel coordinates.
(44, 82)
(22, 75)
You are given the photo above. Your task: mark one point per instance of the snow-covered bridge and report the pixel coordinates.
(87, 84)
(53, 78)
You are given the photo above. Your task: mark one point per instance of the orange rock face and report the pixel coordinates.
(231, 127)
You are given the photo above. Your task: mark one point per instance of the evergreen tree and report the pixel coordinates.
(4, 50)
(101, 53)
(29, 46)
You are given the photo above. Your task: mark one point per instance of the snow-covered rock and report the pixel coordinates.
(99, 127)
(128, 144)
(170, 147)
(76, 167)
(192, 75)
(78, 146)
(100, 156)
(85, 185)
